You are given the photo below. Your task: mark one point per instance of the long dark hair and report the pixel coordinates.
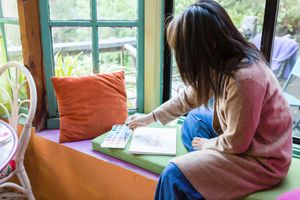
(208, 48)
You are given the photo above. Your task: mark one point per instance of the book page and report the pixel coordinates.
(156, 141)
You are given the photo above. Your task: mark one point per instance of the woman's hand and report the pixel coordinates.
(198, 142)
(138, 120)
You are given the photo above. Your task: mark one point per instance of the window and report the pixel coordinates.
(284, 60)
(246, 15)
(10, 40)
(97, 36)
(10, 46)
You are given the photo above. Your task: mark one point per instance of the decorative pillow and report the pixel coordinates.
(8, 169)
(90, 105)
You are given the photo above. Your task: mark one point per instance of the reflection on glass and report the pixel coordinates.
(69, 9)
(9, 9)
(13, 42)
(285, 56)
(247, 15)
(118, 52)
(117, 9)
(72, 49)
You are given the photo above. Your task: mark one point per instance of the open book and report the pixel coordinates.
(156, 141)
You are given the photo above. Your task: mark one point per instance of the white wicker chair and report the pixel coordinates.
(15, 69)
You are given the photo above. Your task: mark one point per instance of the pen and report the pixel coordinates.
(126, 122)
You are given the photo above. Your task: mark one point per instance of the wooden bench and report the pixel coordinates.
(74, 171)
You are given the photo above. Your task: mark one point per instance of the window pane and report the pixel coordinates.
(13, 42)
(2, 51)
(72, 50)
(285, 52)
(117, 9)
(177, 83)
(69, 9)
(11, 76)
(118, 52)
(180, 5)
(9, 9)
(247, 15)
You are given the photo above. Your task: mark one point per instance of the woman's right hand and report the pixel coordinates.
(138, 120)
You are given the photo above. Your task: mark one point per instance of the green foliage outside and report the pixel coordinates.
(80, 10)
(75, 65)
(6, 79)
(288, 21)
(68, 65)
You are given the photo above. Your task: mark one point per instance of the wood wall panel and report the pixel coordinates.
(32, 53)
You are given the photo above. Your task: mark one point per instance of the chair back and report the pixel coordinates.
(284, 55)
(18, 79)
(295, 72)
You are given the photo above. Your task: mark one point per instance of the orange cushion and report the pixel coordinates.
(90, 105)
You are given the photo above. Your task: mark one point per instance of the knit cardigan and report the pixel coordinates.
(254, 148)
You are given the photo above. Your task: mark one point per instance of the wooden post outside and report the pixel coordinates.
(33, 55)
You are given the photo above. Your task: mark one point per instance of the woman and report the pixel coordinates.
(244, 143)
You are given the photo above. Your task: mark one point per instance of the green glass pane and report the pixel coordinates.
(13, 42)
(72, 50)
(117, 9)
(118, 52)
(9, 9)
(69, 9)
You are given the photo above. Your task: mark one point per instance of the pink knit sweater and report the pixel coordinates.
(254, 148)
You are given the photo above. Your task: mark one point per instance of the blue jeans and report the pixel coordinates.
(198, 123)
(172, 183)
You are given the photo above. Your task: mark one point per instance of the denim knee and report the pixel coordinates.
(169, 171)
(202, 114)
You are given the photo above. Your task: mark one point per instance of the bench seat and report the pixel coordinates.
(78, 172)
(153, 163)
(74, 171)
(290, 182)
(157, 163)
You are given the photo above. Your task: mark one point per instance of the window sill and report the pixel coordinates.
(296, 151)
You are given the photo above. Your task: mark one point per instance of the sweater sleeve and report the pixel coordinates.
(184, 102)
(242, 110)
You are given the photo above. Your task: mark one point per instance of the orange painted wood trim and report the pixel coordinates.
(59, 172)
